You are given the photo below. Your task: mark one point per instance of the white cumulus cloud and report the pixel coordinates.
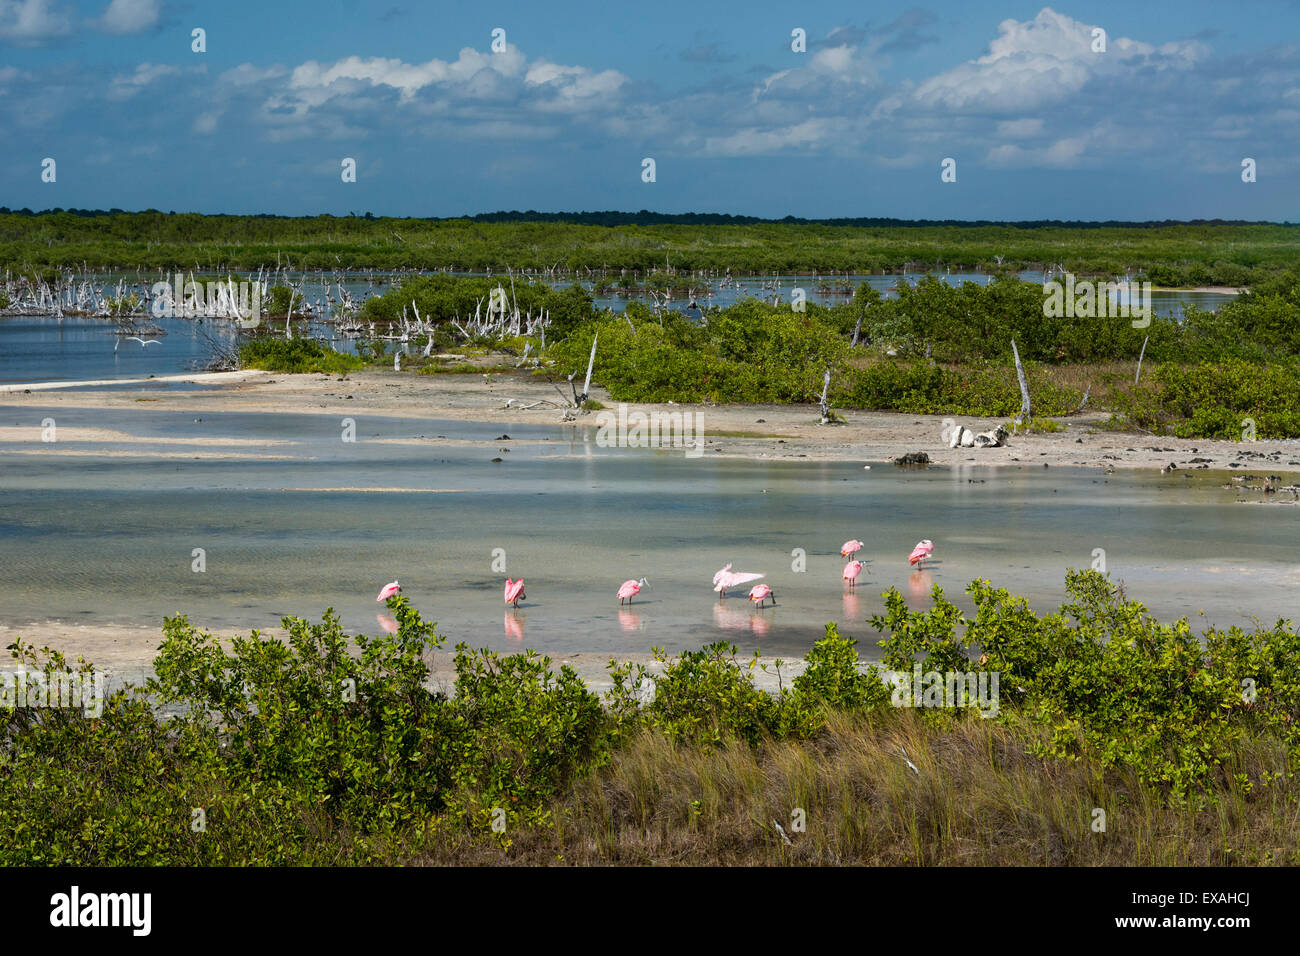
(130, 16)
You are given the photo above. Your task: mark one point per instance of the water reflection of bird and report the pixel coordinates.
(630, 589)
(852, 606)
(737, 620)
(919, 584)
(514, 625)
(729, 619)
(387, 623)
(727, 578)
(629, 621)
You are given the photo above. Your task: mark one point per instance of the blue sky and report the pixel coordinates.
(1041, 125)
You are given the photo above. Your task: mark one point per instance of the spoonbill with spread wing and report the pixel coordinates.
(727, 578)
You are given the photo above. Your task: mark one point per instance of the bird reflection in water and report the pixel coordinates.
(918, 583)
(515, 625)
(852, 606)
(736, 619)
(387, 623)
(629, 620)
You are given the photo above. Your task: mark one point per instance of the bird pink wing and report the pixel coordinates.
(717, 578)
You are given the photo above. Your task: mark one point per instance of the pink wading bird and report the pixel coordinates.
(515, 592)
(851, 572)
(727, 578)
(760, 593)
(921, 551)
(390, 589)
(851, 548)
(630, 589)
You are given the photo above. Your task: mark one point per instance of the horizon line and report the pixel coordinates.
(647, 217)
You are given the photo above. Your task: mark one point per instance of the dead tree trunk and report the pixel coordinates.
(1024, 414)
(1140, 354)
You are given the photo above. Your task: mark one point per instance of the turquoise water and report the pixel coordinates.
(106, 535)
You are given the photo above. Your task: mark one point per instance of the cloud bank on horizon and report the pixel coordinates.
(1096, 112)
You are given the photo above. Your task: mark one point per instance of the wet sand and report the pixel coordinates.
(758, 432)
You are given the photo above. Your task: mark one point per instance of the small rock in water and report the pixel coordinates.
(498, 459)
(504, 438)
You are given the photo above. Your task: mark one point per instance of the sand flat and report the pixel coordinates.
(778, 432)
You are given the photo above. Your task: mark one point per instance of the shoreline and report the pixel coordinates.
(125, 653)
(754, 432)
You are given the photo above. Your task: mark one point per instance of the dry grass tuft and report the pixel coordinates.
(977, 797)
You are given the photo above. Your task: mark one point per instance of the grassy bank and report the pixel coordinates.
(327, 748)
(935, 349)
(938, 349)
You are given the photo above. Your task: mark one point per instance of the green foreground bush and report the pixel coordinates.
(295, 355)
(1216, 400)
(326, 749)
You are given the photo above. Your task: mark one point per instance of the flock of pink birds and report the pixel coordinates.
(724, 579)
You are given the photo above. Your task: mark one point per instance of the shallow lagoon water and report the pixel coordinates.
(106, 537)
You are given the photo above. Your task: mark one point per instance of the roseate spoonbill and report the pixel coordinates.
(630, 589)
(515, 592)
(851, 548)
(921, 551)
(727, 578)
(391, 589)
(851, 572)
(760, 593)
